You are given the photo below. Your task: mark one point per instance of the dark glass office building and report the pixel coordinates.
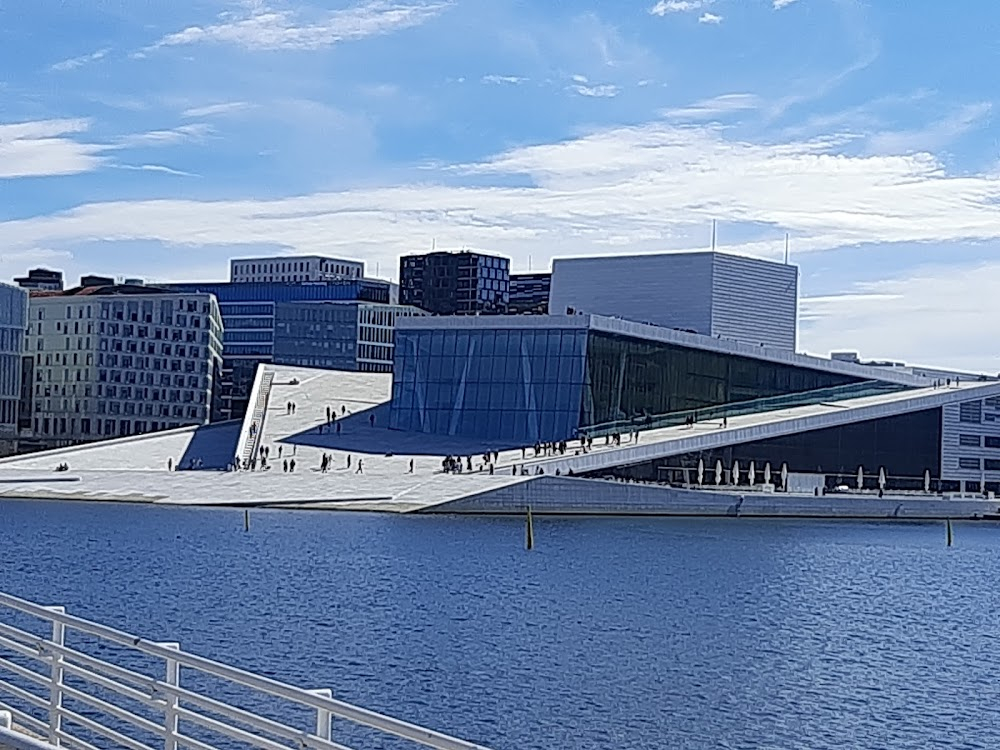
(248, 319)
(464, 283)
(529, 293)
(337, 335)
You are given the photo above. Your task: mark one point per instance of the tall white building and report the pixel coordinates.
(114, 361)
(715, 294)
(294, 268)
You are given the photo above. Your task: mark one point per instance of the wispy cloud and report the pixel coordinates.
(46, 147)
(169, 137)
(498, 79)
(934, 136)
(154, 168)
(264, 28)
(710, 18)
(648, 187)
(663, 7)
(222, 108)
(77, 62)
(716, 106)
(932, 315)
(600, 91)
(779, 4)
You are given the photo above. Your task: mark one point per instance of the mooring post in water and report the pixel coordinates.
(530, 532)
(951, 537)
(246, 519)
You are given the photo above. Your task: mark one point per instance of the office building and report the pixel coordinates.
(714, 294)
(294, 268)
(464, 283)
(529, 293)
(111, 361)
(248, 318)
(337, 335)
(41, 279)
(13, 324)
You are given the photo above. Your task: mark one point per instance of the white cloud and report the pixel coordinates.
(498, 79)
(714, 107)
(932, 315)
(678, 6)
(710, 18)
(605, 90)
(934, 136)
(263, 28)
(642, 188)
(154, 168)
(222, 108)
(194, 132)
(779, 4)
(43, 147)
(76, 62)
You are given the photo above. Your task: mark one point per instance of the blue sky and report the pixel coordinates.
(159, 139)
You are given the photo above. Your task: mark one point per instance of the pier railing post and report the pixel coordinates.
(171, 721)
(57, 675)
(324, 720)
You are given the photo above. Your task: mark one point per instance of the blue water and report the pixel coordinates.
(613, 633)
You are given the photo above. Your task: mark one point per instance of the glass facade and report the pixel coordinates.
(13, 324)
(463, 283)
(316, 335)
(248, 316)
(906, 445)
(532, 383)
(517, 385)
(630, 379)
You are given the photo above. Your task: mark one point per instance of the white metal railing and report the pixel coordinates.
(253, 423)
(173, 714)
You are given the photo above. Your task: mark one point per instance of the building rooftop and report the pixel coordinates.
(135, 469)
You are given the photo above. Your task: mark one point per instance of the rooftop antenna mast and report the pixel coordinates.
(713, 235)
(786, 248)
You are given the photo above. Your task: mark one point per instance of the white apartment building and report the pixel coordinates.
(294, 268)
(109, 364)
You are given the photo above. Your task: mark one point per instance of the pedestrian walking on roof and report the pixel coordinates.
(411, 466)
(280, 448)
(284, 466)
(291, 465)
(338, 428)
(361, 467)
(348, 460)
(328, 414)
(371, 419)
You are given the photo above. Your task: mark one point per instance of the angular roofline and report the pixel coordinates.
(649, 332)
